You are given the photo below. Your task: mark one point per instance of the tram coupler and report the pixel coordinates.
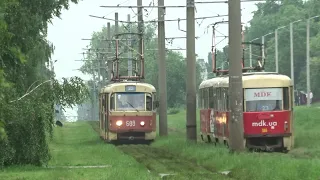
(269, 149)
(131, 138)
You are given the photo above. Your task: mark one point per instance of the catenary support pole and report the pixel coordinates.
(263, 47)
(109, 60)
(162, 78)
(129, 50)
(140, 30)
(250, 54)
(276, 50)
(291, 54)
(308, 62)
(191, 74)
(236, 142)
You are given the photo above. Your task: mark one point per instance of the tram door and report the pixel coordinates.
(106, 112)
(101, 113)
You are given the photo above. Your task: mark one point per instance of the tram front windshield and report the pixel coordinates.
(263, 99)
(133, 101)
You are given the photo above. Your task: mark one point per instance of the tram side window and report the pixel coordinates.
(103, 102)
(206, 98)
(149, 102)
(286, 102)
(154, 99)
(219, 99)
(224, 102)
(215, 104)
(210, 97)
(200, 99)
(112, 105)
(227, 99)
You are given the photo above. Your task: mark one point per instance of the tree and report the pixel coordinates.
(28, 90)
(273, 14)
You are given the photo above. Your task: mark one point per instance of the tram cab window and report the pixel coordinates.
(130, 101)
(266, 99)
(149, 102)
(286, 101)
(112, 104)
(154, 102)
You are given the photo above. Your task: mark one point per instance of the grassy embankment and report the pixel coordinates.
(301, 163)
(78, 145)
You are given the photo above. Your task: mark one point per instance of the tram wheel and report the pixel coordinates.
(226, 143)
(285, 150)
(149, 142)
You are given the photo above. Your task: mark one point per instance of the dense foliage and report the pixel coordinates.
(175, 62)
(28, 90)
(274, 14)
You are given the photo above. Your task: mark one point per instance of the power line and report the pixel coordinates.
(226, 2)
(154, 21)
(144, 6)
(118, 5)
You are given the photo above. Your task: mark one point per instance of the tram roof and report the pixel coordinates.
(251, 79)
(113, 86)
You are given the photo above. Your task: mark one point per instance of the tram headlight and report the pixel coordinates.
(286, 127)
(119, 123)
(142, 123)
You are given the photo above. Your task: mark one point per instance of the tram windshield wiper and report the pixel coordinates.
(133, 106)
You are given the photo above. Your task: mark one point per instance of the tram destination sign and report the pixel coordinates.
(263, 94)
(130, 88)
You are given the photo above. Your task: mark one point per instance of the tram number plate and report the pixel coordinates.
(264, 130)
(131, 123)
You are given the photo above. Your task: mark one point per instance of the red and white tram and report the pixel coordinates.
(267, 117)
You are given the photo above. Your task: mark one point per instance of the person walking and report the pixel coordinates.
(311, 96)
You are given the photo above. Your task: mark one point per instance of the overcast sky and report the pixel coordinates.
(66, 33)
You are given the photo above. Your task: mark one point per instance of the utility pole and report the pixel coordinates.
(162, 78)
(263, 46)
(129, 50)
(140, 30)
(308, 62)
(291, 56)
(116, 24)
(276, 50)
(109, 61)
(93, 94)
(236, 142)
(250, 54)
(116, 32)
(191, 74)
(99, 69)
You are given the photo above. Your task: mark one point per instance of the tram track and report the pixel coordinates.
(164, 163)
(161, 161)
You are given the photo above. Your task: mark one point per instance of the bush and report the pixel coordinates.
(173, 111)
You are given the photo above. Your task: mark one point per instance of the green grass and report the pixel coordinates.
(76, 144)
(301, 163)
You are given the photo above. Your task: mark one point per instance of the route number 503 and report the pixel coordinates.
(131, 123)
